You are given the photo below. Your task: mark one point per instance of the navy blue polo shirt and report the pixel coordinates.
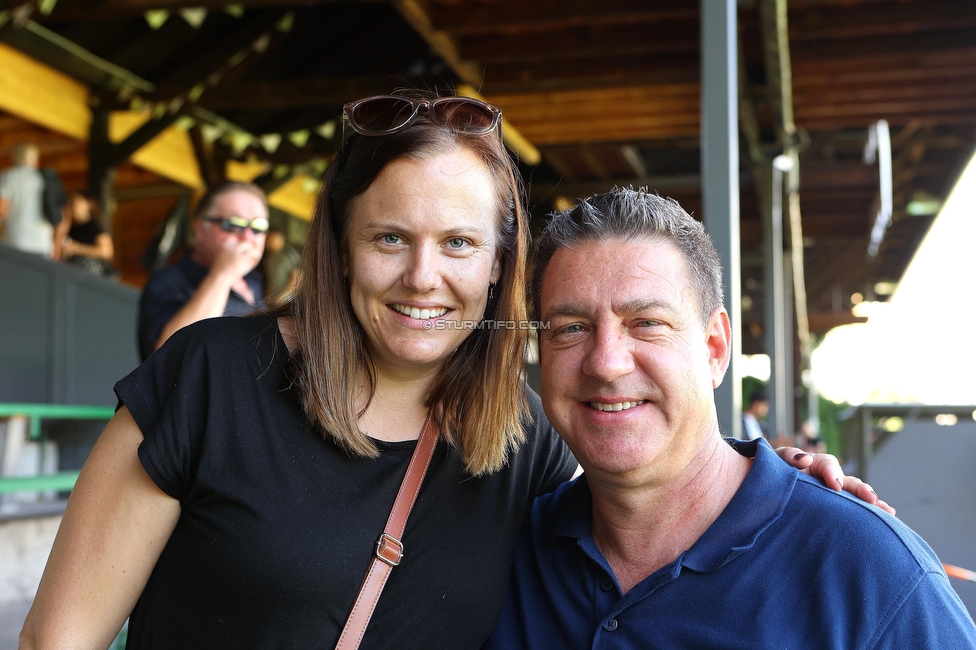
(170, 288)
(788, 564)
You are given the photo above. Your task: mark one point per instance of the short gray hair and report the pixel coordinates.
(627, 214)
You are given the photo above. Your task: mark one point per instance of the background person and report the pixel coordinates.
(21, 188)
(81, 240)
(236, 497)
(672, 538)
(218, 276)
(754, 417)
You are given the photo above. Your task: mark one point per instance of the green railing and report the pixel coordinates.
(34, 413)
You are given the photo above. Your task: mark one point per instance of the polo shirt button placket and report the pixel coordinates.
(610, 625)
(607, 584)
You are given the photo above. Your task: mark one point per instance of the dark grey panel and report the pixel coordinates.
(25, 328)
(65, 336)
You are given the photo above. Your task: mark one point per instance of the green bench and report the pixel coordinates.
(34, 413)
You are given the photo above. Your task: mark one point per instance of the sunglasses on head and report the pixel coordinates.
(386, 114)
(238, 225)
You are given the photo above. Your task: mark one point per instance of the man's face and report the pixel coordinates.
(761, 409)
(628, 368)
(211, 238)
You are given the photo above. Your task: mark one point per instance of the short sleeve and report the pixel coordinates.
(931, 616)
(168, 398)
(4, 186)
(553, 459)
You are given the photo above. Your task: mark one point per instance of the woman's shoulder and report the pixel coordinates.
(231, 338)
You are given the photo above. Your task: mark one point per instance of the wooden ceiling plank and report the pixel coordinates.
(440, 42)
(913, 43)
(897, 18)
(38, 93)
(558, 45)
(518, 16)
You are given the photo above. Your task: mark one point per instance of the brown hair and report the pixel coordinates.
(478, 394)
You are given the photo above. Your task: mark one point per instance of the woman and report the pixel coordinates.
(81, 240)
(235, 498)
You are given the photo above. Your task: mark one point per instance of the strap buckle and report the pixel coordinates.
(389, 549)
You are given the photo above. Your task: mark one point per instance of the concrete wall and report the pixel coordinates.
(24, 547)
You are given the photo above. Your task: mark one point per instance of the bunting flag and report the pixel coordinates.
(194, 16)
(156, 18)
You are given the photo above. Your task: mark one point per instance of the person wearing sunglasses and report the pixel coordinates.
(218, 276)
(238, 496)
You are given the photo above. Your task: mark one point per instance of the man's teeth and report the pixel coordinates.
(619, 406)
(421, 314)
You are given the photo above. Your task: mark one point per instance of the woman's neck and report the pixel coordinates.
(398, 407)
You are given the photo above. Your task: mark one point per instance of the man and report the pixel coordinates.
(217, 277)
(21, 190)
(672, 538)
(752, 427)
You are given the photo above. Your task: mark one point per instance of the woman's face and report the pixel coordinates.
(422, 251)
(80, 210)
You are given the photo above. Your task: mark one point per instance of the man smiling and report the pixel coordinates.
(672, 538)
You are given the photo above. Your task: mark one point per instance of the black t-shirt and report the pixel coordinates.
(171, 288)
(85, 233)
(278, 525)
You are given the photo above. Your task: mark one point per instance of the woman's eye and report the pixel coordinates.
(390, 239)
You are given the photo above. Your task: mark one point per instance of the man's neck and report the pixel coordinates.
(641, 529)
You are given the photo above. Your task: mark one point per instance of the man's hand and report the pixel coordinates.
(236, 258)
(826, 468)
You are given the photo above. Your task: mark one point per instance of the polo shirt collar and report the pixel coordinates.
(759, 501)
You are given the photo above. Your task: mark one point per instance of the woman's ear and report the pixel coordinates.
(496, 268)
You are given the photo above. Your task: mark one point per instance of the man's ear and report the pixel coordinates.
(718, 338)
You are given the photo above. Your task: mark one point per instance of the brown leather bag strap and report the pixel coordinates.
(389, 548)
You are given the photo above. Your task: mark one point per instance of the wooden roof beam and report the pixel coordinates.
(469, 72)
(518, 16)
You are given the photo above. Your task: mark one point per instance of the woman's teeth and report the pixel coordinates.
(421, 314)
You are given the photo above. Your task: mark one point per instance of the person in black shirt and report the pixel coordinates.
(236, 497)
(218, 276)
(81, 239)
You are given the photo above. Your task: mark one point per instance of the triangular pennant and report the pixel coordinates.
(194, 16)
(270, 141)
(156, 18)
(299, 138)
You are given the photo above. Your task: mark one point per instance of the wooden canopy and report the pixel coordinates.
(607, 91)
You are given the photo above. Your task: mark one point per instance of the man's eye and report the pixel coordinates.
(573, 328)
(390, 239)
(457, 242)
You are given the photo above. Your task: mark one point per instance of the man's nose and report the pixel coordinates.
(611, 355)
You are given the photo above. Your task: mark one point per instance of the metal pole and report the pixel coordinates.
(720, 181)
(775, 308)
